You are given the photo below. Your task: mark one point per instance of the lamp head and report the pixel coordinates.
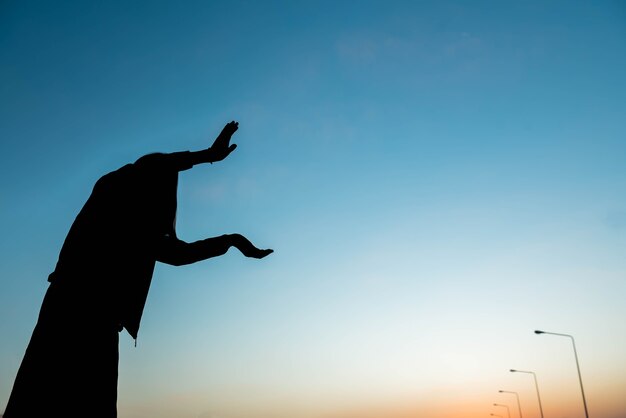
(539, 332)
(512, 370)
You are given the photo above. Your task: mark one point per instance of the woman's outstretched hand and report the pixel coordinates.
(247, 248)
(222, 147)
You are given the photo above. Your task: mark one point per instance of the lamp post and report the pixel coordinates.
(580, 379)
(508, 411)
(519, 406)
(536, 386)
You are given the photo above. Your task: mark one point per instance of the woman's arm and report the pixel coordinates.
(176, 252)
(184, 160)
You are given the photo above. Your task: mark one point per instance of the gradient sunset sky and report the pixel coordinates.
(437, 179)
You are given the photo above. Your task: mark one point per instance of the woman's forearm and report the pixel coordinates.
(176, 252)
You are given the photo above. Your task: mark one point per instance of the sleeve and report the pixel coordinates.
(176, 252)
(175, 161)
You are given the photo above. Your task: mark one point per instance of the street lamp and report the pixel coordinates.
(508, 411)
(536, 386)
(580, 379)
(519, 406)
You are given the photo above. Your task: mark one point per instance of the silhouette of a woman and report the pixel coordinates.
(101, 282)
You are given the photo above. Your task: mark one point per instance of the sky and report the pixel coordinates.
(437, 179)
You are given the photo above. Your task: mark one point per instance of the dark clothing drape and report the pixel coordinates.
(66, 373)
(118, 235)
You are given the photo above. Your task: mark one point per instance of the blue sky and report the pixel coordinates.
(437, 179)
